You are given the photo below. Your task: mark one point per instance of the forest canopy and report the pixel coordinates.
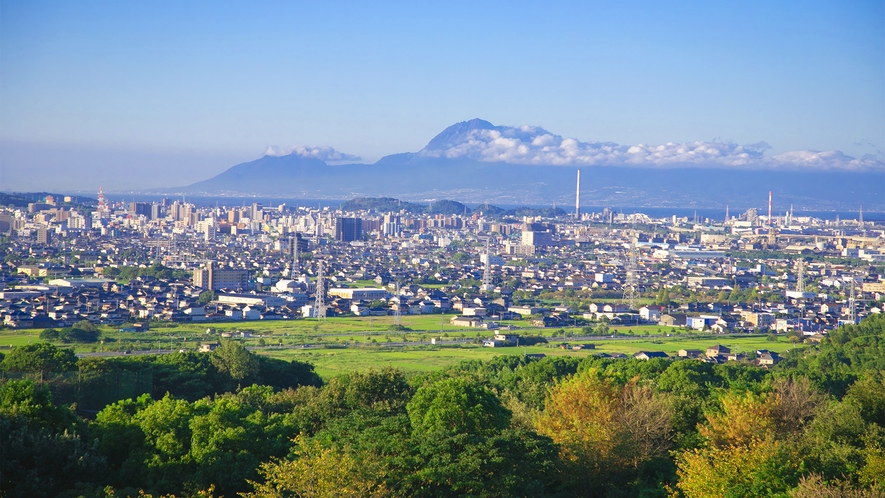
(232, 422)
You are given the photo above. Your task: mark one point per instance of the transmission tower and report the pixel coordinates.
(320, 304)
(487, 271)
(630, 284)
(800, 277)
(397, 314)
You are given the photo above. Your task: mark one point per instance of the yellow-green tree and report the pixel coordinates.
(606, 432)
(741, 457)
(321, 472)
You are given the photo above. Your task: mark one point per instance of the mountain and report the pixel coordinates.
(477, 161)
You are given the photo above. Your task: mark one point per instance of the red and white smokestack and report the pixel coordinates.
(578, 197)
(769, 210)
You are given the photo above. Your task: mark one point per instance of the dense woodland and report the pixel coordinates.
(231, 422)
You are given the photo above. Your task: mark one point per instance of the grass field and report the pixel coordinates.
(331, 362)
(355, 343)
(334, 330)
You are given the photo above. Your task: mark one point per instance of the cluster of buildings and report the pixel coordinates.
(134, 262)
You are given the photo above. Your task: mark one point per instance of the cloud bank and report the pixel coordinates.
(482, 141)
(327, 154)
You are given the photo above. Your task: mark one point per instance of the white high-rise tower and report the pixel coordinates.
(578, 197)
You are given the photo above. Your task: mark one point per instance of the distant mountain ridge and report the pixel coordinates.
(476, 161)
(387, 204)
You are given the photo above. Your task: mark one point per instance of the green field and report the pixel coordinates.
(354, 343)
(332, 362)
(334, 330)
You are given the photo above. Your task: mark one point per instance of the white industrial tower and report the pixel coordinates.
(769, 210)
(578, 198)
(320, 303)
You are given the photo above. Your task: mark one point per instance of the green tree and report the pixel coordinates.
(41, 357)
(206, 297)
(735, 295)
(44, 453)
(232, 359)
(460, 257)
(869, 393)
(82, 331)
(321, 472)
(663, 297)
(453, 406)
(49, 335)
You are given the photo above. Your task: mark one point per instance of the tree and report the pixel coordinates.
(794, 403)
(746, 470)
(319, 472)
(454, 406)
(743, 455)
(735, 295)
(49, 335)
(869, 393)
(44, 452)
(742, 420)
(82, 331)
(460, 257)
(41, 357)
(816, 487)
(232, 359)
(23, 398)
(753, 296)
(605, 432)
(206, 297)
(663, 297)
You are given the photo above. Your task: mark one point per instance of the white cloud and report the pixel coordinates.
(534, 145)
(322, 153)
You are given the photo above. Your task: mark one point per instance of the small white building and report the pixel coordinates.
(650, 313)
(473, 312)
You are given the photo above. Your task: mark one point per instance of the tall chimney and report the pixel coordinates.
(769, 210)
(578, 197)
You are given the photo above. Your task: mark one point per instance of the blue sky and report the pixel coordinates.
(189, 88)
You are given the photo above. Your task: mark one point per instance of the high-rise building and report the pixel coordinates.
(391, 225)
(7, 223)
(186, 214)
(537, 235)
(212, 278)
(297, 241)
(140, 209)
(44, 236)
(155, 211)
(348, 229)
(175, 211)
